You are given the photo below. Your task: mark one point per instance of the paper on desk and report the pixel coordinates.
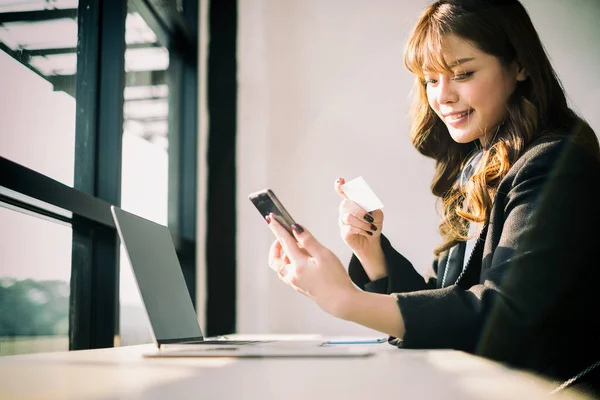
(359, 192)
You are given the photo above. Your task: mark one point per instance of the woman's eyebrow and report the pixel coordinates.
(454, 64)
(461, 61)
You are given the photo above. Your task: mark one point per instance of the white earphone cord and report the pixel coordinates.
(576, 377)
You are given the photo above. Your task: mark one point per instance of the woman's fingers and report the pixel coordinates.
(349, 231)
(276, 257)
(288, 243)
(277, 252)
(351, 220)
(338, 187)
(274, 251)
(308, 241)
(348, 206)
(377, 216)
(287, 274)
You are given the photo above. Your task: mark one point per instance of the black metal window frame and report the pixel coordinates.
(221, 217)
(100, 82)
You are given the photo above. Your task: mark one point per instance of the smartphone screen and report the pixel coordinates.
(266, 202)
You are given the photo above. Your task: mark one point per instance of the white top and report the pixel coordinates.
(470, 245)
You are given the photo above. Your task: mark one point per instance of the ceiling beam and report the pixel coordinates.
(67, 50)
(151, 98)
(66, 83)
(148, 118)
(18, 56)
(37, 15)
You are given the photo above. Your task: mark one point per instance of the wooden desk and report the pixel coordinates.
(122, 373)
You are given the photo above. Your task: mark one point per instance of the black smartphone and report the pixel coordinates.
(266, 202)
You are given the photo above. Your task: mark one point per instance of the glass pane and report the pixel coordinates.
(144, 179)
(38, 61)
(35, 274)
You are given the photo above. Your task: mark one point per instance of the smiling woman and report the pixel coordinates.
(467, 59)
(510, 280)
(470, 97)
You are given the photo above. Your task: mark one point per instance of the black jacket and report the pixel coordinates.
(529, 294)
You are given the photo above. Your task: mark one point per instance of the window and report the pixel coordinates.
(89, 121)
(38, 63)
(145, 168)
(35, 255)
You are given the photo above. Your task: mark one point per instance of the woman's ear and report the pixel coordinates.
(522, 74)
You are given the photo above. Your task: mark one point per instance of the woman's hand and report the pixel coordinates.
(307, 266)
(310, 268)
(361, 232)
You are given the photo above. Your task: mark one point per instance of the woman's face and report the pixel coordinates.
(471, 100)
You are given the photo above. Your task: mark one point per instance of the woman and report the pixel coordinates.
(517, 172)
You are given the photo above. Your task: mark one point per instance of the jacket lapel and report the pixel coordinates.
(472, 258)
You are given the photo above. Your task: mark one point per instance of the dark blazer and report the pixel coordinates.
(529, 293)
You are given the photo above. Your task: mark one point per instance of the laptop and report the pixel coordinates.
(175, 328)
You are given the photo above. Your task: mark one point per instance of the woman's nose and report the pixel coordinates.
(446, 92)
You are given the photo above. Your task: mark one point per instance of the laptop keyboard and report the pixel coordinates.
(233, 342)
(230, 342)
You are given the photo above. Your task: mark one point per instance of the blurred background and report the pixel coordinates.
(212, 101)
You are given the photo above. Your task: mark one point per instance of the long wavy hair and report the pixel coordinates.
(536, 108)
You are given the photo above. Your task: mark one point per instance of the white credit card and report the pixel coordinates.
(359, 192)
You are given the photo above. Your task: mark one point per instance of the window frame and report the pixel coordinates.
(99, 88)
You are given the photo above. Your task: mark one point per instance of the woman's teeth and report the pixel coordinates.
(458, 116)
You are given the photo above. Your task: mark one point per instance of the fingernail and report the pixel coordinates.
(368, 218)
(369, 233)
(373, 227)
(370, 212)
(297, 228)
(268, 219)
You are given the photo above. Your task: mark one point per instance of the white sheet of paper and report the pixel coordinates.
(359, 192)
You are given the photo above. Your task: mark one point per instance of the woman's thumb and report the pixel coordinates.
(338, 187)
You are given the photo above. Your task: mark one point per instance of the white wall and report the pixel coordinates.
(323, 93)
(570, 32)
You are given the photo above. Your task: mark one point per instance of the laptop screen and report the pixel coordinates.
(159, 278)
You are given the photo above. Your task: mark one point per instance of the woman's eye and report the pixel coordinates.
(429, 81)
(462, 76)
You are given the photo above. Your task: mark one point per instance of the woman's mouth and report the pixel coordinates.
(458, 119)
